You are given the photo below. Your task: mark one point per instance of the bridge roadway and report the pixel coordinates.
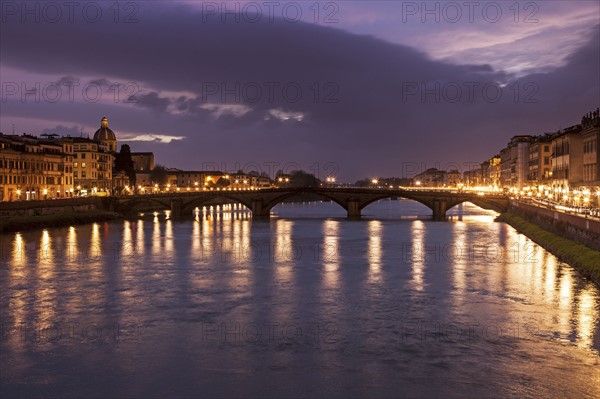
(260, 202)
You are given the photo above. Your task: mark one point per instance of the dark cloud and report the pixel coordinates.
(73, 131)
(365, 104)
(151, 101)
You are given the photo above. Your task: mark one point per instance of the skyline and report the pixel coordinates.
(371, 100)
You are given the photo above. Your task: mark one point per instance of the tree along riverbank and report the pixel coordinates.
(583, 258)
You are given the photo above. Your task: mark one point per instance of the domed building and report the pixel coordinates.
(94, 161)
(106, 135)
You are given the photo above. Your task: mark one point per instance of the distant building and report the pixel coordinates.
(514, 162)
(590, 133)
(567, 159)
(240, 180)
(432, 177)
(453, 178)
(539, 169)
(142, 178)
(257, 181)
(490, 172)
(142, 161)
(121, 183)
(201, 179)
(473, 177)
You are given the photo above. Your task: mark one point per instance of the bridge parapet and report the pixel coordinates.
(353, 200)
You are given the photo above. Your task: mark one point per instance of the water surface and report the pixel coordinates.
(308, 304)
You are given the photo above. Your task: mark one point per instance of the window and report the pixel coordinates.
(75, 164)
(75, 174)
(83, 164)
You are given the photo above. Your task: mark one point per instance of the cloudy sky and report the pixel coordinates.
(349, 88)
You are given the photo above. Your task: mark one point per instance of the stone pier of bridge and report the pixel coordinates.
(259, 210)
(440, 206)
(353, 208)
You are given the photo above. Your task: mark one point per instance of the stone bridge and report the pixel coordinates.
(260, 202)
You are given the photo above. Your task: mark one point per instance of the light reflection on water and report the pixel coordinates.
(301, 305)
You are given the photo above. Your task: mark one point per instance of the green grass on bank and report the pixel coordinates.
(585, 259)
(19, 223)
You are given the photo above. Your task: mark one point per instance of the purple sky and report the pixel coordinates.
(357, 89)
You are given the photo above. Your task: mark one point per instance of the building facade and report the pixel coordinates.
(432, 177)
(567, 159)
(142, 161)
(490, 172)
(590, 134)
(32, 168)
(92, 167)
(540, 160)
(94, 160)
(56, 167)
(514, 162)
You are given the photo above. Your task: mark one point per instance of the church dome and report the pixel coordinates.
(104, 133)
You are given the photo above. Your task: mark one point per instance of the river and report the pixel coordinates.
(307, 304)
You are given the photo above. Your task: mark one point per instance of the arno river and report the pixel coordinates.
(307, 304)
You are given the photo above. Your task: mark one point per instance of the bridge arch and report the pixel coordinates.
(373, 200)
(190, 205)
(130, 205)
(279, 199)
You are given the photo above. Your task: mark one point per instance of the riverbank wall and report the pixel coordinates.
(27, 215)
(571, 238)
(576, 228)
